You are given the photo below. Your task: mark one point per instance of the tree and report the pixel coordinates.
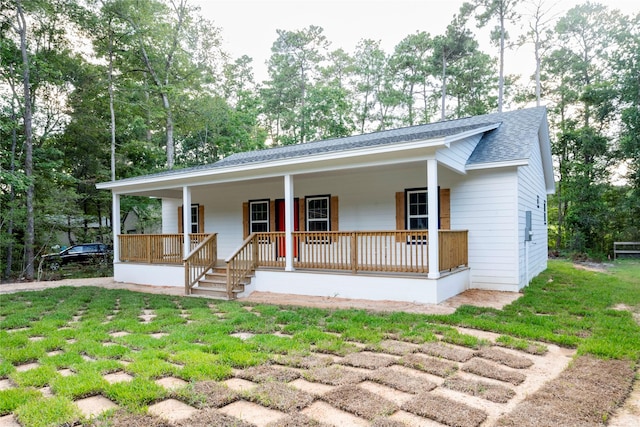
(294, 67)
(538, 34)
(410, 66)
(503, 11)
(450, 48)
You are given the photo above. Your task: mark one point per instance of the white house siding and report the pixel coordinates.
(170, 215)
(532, 258)
(458, 153)
(483, 202)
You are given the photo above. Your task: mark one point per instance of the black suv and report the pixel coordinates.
(84, 253)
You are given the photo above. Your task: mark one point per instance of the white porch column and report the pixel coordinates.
(186, 220)
(115, 226)
(288, 222)
(432, 200)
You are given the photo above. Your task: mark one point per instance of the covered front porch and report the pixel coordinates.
(341, 260)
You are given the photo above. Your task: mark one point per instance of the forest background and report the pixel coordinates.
(95, 90)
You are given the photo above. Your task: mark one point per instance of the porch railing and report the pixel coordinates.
(242, 262)
(201, 259)
(156, 248)
(372, 251)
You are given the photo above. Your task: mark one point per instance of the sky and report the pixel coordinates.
(249, 26)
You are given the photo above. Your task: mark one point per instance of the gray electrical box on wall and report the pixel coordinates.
(528, 231)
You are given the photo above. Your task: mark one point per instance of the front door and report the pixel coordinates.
(280, 226)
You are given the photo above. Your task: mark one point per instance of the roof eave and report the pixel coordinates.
(493, 165)
(248, 168)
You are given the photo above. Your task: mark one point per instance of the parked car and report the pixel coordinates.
(82, 254)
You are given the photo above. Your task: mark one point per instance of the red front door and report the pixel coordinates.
(280, 226)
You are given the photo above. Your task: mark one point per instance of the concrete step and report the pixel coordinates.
(210, 293)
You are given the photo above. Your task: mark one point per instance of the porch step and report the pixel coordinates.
(214, 285)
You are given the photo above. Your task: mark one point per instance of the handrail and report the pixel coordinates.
(200, 260)
(241, 262)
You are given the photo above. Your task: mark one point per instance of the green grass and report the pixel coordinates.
(48, 412)
(563, 306)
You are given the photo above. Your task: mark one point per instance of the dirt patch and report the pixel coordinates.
(279, 396)
(368, 360)
(265, 373)
(305, 362)
(504, 358)
(492, 392)
(212, 418)
(635, 311)
(586, 393)
(597, 267)
(445, 411)
(482, 298)
(398, 348)
(213, 394)
(360, 402)
(297, 420)
(445, 351)
(485, 369)
(402, 381)
(431, 365)
(333, 375)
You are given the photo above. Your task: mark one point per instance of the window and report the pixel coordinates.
(259, 216)
(544, 211)
(417, 210)
(194, 218)
(318, 213)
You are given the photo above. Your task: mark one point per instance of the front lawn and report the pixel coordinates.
(69, 340)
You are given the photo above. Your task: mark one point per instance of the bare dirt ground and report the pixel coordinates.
(491, 387)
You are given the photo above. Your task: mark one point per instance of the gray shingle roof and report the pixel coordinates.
(512, 140)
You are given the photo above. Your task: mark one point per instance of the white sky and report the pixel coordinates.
(249, 26)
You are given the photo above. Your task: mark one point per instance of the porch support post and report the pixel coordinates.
(432, 195)
(186, 220)
(288, 222)
(115, 226)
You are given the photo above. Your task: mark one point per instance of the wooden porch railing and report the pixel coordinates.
(372, 251)
(201, 259)
(241, 263)
(156, 248)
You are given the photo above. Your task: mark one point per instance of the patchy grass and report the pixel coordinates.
(445, 411)
(586, 393)
(279, 396)
(488, 370)
(360, 402)
(82, 329)
(569, 307)
(493, 392)
(42, 412)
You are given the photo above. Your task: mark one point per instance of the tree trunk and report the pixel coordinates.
(444, 86)
(111, 108)
(12, 196)
(28, 142)
(501, 77)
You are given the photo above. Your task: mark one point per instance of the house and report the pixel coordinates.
(413, 214)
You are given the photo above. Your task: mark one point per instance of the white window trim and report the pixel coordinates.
(408, 208)
(308, 220)
(195, 225)
(251, 221)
